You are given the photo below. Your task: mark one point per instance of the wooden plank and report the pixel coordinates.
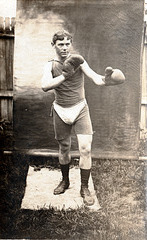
(2, 65)
(7, 25)
(5, 35)
(6, 69)
(10, 110)
(9, 47)
(1, 24)
(7, 51)
(11, 59)
(12, 24)
(4, 93)
(6, 63)
(4, 109)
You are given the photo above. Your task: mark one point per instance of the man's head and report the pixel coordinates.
(60, 35)
(62, 41)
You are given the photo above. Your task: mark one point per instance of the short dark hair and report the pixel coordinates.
(60, 35)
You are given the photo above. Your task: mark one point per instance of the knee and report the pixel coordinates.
(64, 151)
(64, 145)
(85, 150)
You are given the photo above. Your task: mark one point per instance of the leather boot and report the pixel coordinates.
(85, 193)
(64, 184)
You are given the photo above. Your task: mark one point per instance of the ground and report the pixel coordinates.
(120, 187)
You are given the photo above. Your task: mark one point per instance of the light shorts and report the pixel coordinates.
(82, 125)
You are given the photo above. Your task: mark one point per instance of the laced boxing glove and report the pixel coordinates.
(113, 76)
(71, 64)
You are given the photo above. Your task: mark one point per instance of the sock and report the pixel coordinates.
(85, 174)
(65, 171)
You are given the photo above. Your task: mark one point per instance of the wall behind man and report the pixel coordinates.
(106, 33)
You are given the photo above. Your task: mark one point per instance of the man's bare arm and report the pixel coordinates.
(96, 78)
(47, 81)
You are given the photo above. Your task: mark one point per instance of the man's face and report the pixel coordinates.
(63, 47)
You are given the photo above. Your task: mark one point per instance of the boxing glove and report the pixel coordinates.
(71, 64)
(113, 76)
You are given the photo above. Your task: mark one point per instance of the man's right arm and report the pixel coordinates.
(47, 81)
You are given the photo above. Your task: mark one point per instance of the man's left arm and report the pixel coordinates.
(112, 76)
(96, 78)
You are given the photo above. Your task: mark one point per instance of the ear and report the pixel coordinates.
(52, 44)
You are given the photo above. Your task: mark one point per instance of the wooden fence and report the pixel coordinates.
(6, 68)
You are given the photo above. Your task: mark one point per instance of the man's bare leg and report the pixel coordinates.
(85, 163)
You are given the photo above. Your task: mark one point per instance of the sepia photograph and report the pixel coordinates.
(73, 119)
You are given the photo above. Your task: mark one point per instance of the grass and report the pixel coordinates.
(120, 187)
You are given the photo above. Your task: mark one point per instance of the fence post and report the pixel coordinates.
(1, 24)
(6, 67)
(7, 25)
(12, 24)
